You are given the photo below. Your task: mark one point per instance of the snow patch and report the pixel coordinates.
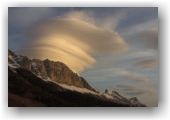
(107, 96)
(34, 65)
(14, 64)
(113, 94)
(74, 88)
(116, 95)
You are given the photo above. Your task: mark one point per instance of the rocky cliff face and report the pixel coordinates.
(47, 69)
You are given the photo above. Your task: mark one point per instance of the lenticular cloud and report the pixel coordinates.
(72, 41)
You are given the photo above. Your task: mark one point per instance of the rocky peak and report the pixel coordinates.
(54, 70)
(108, 91)
(119, 98)
(135, 102)
(134, 99)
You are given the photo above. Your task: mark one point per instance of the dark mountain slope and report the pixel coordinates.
(25, 89)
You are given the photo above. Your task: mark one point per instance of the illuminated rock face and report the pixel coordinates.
(50, 70)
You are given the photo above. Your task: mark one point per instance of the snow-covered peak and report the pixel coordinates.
(108, 92)
(134, 101)
(115, 96)
(12, 62)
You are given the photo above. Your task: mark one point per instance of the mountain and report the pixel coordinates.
(115, 96)
(32, 82)
(49, 70)
(26, 89)
(135, 101)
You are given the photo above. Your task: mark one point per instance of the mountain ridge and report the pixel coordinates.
(29, 85)
(47, 69)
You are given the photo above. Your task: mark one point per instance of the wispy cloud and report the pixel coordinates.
(86, 16)
(131, 76)
(147, 38)
(136, 28)
(135, 77)
(134, 91)
(117, 74)
(111, 22)
(147, 63)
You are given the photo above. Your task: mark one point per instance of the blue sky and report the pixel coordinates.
(114, 48)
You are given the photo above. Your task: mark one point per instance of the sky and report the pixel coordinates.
(111, 47)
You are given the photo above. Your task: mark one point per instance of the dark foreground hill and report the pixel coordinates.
(25, 89)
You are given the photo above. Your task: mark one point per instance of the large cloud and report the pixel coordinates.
(71, 41)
